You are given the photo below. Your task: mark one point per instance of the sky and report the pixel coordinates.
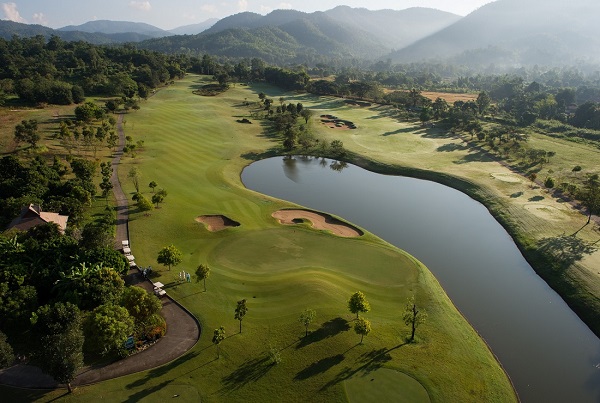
(169, 14)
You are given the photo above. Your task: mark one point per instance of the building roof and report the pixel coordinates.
(33, 215)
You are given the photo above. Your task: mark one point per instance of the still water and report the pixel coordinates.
(550, 355)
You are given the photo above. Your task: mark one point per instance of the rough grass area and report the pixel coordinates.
(195, 150)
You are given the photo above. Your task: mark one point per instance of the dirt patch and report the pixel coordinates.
(217, 222)
(319, 221)
(333, 122)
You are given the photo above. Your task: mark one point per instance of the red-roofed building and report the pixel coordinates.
(33, 215)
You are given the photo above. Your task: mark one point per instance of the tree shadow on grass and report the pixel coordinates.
(398, 131)
(162, 370)
(249, 371)
(368, 362)
(536, 198)
(327, 329)
(567, 249)
(318, 367)
(136, 397)
(451, 147)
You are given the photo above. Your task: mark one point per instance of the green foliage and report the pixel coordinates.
(88, 112)
(549, 182)
(144, 308)
(58, 331)
(240, 311)
(362, 327)
(202, 273)
(218, 337)
(152, 185)
(169, 256)
(157, 198)
(143, 203)
(7, 355)
(358, 303)
(306, 318)
(27, 131)
(413, 316)
(107, 328)
(90, 286)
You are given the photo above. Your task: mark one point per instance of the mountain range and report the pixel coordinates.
(506, 33)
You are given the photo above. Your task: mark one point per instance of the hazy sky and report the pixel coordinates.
(169, 14)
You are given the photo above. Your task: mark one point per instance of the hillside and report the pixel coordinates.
(395, 29)
(117, 27)
(194, 29)
(288, 36)
(10, 28)
(515, 32)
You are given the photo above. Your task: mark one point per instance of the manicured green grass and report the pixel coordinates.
(196, 151)
(381, 383)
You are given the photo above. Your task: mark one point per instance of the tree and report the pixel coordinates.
(202, 273)
(134, 175)
(57, 329)
(157, 198)
(142, 202)
(483, 102)
(532, 177)
(362, 327)
(240, 311)
(7, 355)
(358, 303)
(152, 185)
(107, 328)
(306, 318)
(413, 317)
(306, 114)
(144, 308)
(27, 131)
(218, 337)
(169, 256)
(590, 195)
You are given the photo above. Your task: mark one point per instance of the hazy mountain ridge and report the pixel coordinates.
(10, 28)
(549, 32)
(117, 27)
(194, 29)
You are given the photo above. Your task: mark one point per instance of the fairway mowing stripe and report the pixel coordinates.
(242, 208)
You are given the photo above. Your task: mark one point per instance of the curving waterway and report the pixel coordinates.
(549, 353)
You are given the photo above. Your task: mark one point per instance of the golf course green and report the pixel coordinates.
(195, 150)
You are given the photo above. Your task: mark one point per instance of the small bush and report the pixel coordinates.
(577, 168)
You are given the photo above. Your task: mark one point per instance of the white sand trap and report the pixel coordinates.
(510, 178)
(319, 221)
(545, 211)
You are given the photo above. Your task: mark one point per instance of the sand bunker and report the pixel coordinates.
(217, 222)
(334, 123)
(319, 221)
(545, 211)
(510, 178)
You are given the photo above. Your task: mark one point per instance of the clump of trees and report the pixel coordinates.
(53, 71)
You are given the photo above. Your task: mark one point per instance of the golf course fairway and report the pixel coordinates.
(195, 150)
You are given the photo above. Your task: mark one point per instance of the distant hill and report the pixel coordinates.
(194, 29)
(118, 27)
(394, 28)
(513, 33)
(10, 28)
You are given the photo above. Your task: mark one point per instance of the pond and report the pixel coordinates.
(549, 353)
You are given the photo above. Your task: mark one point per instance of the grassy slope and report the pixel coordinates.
(193, 148)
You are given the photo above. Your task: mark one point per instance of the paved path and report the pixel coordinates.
(183, 331)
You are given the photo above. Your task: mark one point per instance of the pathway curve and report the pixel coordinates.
(183, 330)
